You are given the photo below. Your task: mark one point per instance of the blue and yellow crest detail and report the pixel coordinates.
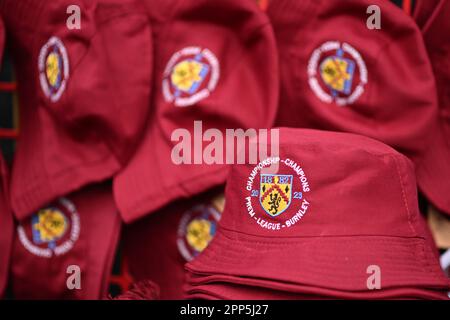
(200, 232)
(196, 229)
(188, 75)
(337, 73)
(275, 193)
(53, 67)
(51, 231)
(48, 226)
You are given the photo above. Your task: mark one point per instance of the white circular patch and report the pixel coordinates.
(190, 76)
(52, 231)
(337, 73)
(53, 66)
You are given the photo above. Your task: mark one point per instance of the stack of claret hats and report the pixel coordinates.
(356, 219)
(340, 211)
(98, 110)
(233, 41)
(120, 162)
(79, 125)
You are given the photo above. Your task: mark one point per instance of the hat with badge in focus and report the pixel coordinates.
(340, 213)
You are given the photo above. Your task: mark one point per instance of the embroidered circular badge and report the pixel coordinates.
(53, 68)
(337, 73)
(276, 201)
(52, 231)
(190, 76)
(196, 230)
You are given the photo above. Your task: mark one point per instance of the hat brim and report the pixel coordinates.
(336, 263)
(151, 180)
(237, 288)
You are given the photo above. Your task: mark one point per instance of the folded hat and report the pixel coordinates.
(245, 288)
(339, 205)
(339, 75)
(83, 93)
(75, 236)
(6, 223)
(433, 174)
(215, 62)
(235, 291)
(171, 236)
(143, 290)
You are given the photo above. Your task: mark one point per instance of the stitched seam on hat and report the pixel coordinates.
(268, 246)
(64, 171)
(310, 237)
(169, 189)
(197, 268)
(426, 262)
(405, 202)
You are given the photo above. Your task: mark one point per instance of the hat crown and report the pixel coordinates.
(327, 184)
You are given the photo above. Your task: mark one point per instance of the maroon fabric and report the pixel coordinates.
(162, 237)
(390, 95)
(434, 174)
(83, 94)
(235, 288)
(353, 204)
(81, 229)
(6, 234)
(424, 11)
(143, 290)
(236, 46)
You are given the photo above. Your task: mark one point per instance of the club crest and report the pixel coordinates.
(277, 201)
(190, 76)
(48, 226)
(53, 68)
(275, 193)
(51, 231)
(196, 230)
(337, 73)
